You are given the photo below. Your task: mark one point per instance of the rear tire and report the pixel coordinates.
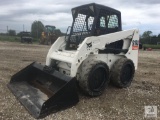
(94, 77)
(122, 73)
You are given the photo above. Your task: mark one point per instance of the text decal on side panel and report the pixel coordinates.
(135, 45)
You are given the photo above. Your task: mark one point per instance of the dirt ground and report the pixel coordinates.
(114, 104)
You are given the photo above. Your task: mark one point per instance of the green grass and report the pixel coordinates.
(14, 39)
(151, 46)
(10, 38)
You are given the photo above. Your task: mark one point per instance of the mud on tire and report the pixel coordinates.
(94, 77)
(122, 73)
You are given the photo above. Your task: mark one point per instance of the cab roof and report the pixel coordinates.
(96, 7)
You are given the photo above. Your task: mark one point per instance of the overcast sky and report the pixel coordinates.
(142, 14)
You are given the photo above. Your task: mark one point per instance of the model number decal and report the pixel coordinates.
(135, 44)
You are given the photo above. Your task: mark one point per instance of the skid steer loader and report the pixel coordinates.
(94, 53)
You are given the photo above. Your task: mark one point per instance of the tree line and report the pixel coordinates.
(148, 38)
(37, 28)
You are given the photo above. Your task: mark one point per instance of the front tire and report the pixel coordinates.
(122, 73)
(94, 77)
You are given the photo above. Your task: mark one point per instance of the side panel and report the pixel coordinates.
(58, 44)
(133, 49)
(91, 46)
(109, 59)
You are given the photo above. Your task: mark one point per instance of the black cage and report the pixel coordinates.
(92, 20)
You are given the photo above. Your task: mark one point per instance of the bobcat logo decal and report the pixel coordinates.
(89, 45)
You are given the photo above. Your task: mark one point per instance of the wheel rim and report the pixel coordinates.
(127, 74)
(98, 79)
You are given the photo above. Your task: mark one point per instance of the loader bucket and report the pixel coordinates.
(43, 92)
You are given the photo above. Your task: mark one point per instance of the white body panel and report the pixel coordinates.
(69, 61)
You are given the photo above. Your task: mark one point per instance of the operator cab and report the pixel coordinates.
(92, 20)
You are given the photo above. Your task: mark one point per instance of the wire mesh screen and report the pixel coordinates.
(79, 23)
(101, 25)
(102, 18)
(107, 22)
(102, 22)
(113, 21)
(81, 28)
(90, 22)
(107, 18)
